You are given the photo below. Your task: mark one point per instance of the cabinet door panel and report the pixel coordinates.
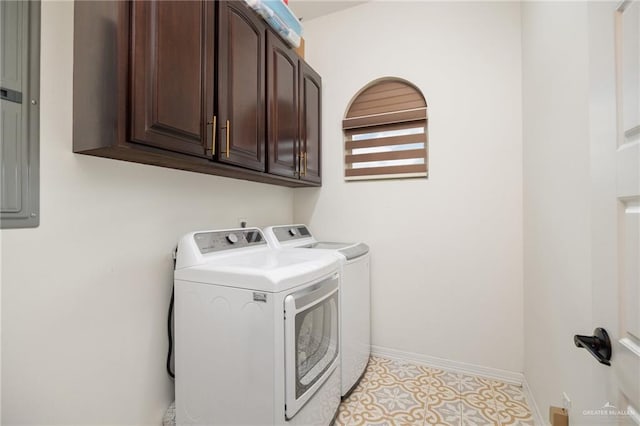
(171, 65)
(282, 112)
(241, 73)
(310, 123)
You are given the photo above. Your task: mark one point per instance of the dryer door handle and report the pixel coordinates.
(316, 293)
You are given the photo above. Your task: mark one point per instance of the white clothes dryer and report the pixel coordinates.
(355, 295)
(256, 332)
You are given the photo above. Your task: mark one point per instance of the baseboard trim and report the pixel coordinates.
(506, 376)
(538, 419)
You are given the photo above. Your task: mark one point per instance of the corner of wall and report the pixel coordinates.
(538, 418)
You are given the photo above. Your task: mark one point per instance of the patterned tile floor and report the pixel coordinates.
(400, 393)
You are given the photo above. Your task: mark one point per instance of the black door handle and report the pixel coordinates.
(598, 345)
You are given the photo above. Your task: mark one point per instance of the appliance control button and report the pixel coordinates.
(293, 232)
(232, 238)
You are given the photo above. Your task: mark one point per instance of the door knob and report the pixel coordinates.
(598, 345)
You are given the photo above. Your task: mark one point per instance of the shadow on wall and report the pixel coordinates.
(103, 74)
(304, 206)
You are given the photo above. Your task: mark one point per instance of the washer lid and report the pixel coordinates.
(261, 269)
(299, 236)
(348, 250)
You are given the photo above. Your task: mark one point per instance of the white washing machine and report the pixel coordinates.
(355, 295)
(256, 332)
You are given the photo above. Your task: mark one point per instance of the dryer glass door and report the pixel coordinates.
(311, 344)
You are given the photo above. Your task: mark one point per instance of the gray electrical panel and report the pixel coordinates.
(19, 113)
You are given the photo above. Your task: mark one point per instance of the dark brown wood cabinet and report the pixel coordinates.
(282, 109)
(172, 75)
(310, 124)
(194, 85)
(241, 86)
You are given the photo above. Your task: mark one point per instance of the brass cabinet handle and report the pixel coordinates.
(300, 168)
(214, 130)
(303, 164)
(228, 132)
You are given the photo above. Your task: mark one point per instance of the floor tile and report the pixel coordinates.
(478, 397)
(472, 415)
(398, 393)
(441, 412)
(511, 405)
(397, 402)
(345, 413)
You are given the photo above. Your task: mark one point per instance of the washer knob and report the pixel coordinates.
(293, 232)
(232, 238)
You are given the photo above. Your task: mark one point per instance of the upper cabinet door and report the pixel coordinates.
(172, 55)
(282, 108)
(241, 86)
(310, 123)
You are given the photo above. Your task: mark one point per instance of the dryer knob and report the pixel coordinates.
(293, 232)
(232, 238)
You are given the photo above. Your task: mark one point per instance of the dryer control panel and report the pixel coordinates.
(291, 232)
(213, 241)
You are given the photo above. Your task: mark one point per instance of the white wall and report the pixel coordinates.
(569, 200)
(556, 197)
(0, 326)
(85, 295)
(447, 250)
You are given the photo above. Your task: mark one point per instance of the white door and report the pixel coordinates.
(613, 393)
(627, 365)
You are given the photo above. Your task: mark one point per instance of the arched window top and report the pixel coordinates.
(386, 95)
(385, 130)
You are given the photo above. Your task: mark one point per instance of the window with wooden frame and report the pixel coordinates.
(385, 132)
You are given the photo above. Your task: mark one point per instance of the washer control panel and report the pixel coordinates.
(209, 242)
(291, 232)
